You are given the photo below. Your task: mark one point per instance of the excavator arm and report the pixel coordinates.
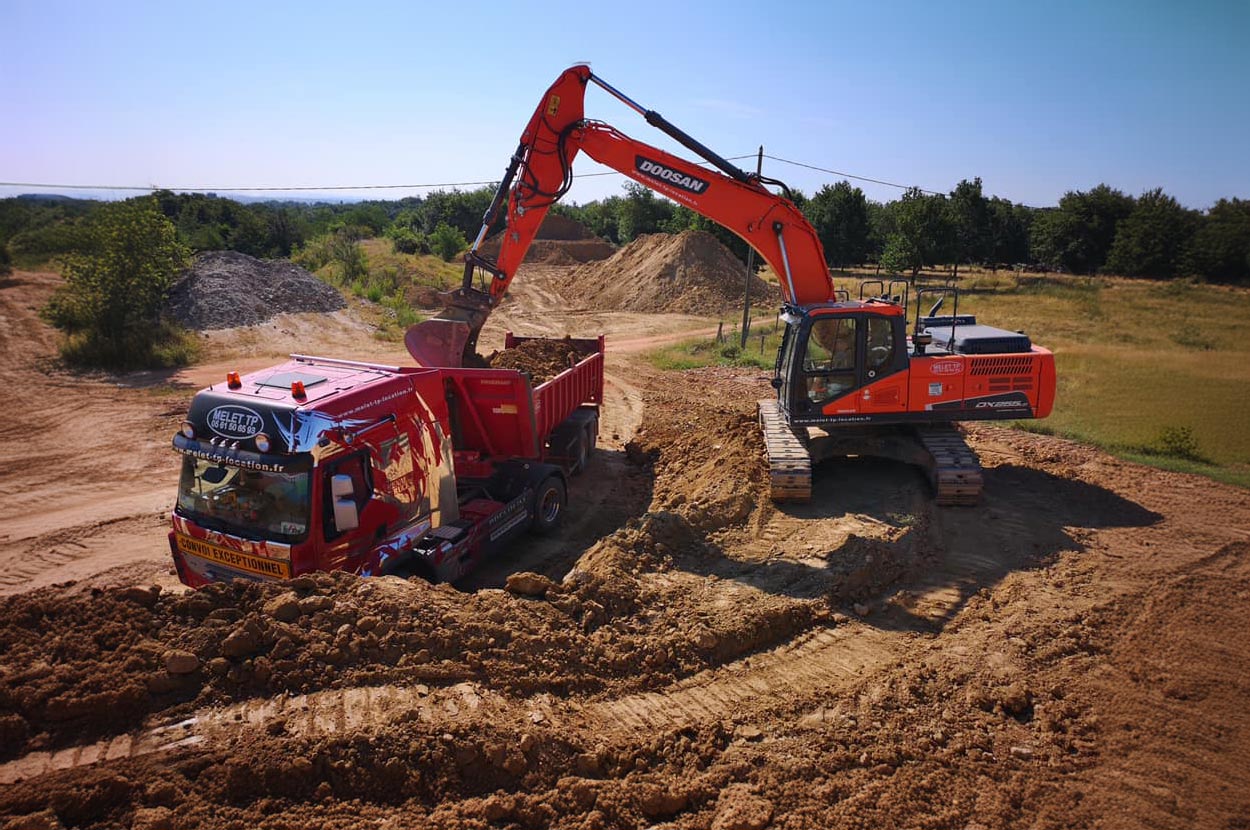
(539, 174)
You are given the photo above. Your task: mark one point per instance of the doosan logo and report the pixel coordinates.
(667, 174)
(233, 421)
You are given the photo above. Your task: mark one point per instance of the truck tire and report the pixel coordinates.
(581, 453)
(549, 501)
(418, 569)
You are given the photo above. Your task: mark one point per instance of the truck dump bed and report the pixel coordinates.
(498, 414)
(576, 386)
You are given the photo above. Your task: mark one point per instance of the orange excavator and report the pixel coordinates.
(849, 377)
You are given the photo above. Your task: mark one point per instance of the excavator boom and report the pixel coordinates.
(540, 173)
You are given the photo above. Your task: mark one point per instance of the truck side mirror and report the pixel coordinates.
(346, 517)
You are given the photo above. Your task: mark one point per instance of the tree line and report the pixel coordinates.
(1101, 230)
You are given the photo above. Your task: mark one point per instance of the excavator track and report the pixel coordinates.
(953, 468)
(789, 463)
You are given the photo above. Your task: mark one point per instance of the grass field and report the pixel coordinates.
(1157, 373)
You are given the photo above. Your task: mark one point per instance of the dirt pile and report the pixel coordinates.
(223, 289)
(560, 241)
(541, 359)
(690, 272)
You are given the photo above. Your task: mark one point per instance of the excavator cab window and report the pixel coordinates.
(829, 365)
(880, 355)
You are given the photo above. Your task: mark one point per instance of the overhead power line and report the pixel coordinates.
(299, 188)
(851, 175)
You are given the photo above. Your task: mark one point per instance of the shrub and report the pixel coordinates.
(1178, 442)
(127, 258)
(447, 241)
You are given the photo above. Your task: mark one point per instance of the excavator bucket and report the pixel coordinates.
(437, 343)
(449, 339)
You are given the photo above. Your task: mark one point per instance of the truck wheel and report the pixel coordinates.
(549, 501)
(581, 454)
(418, 569)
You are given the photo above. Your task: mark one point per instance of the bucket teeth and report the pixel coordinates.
(789, 464)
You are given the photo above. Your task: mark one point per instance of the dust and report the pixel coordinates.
(224, 289)
(689, 272)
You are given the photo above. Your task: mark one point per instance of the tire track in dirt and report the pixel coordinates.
(824, 660)
(821, 661)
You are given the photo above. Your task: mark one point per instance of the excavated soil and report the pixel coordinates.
(683, 654)
(540, 359)
(224, 289)
(689, 272)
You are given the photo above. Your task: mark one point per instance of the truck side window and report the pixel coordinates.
(355, 465)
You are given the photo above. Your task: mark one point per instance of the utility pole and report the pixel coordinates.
(746, 287)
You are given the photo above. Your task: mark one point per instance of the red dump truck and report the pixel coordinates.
(321, 464)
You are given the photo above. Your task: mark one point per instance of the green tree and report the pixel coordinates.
(1009, 232)
(447, 241)
(128, 257)
(971, 233)
(6, 262)
(1221, 247)
(1153, 240)
(344, 250)
(1077, 235)
(839, 213)
(900, 255)
(924, 224)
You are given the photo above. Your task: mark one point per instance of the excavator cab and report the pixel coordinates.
(831, 354)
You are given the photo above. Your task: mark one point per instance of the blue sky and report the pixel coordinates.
(1035, 98)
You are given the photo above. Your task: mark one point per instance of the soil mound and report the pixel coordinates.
(223, 289)
(560, 241)
(691, 272)
(542, 359)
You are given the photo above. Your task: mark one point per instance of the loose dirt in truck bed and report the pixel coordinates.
(686, 655)
(687, 272)
(541, 359)
(223, 289)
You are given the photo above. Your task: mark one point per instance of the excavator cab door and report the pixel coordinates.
(832, 364)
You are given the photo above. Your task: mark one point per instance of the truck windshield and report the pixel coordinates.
(270, 505)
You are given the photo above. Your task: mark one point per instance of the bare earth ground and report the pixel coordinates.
(1071, 653)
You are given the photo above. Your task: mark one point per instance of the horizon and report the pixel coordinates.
(1035, 102)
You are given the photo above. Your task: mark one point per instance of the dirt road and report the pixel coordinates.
(1065, 655)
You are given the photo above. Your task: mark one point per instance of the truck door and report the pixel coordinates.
(348, 549)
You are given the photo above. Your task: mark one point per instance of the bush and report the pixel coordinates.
(1178, 442)
(127, 258)
(447, 241)
(407, 241)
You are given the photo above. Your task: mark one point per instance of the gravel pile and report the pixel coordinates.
(223, 289)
